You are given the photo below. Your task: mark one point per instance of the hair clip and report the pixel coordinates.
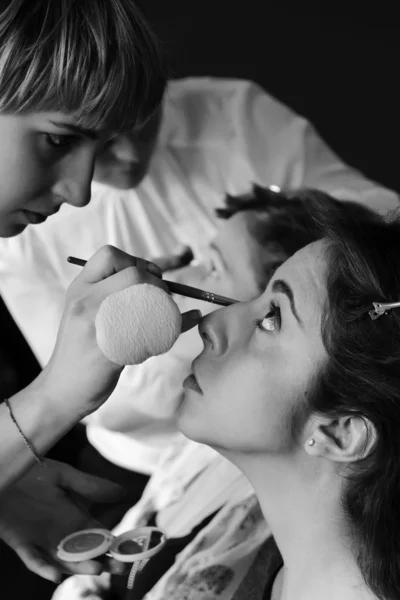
(381, 309)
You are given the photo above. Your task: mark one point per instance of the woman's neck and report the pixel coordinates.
(302, 504)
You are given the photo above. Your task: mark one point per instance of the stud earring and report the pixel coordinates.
(311, 442)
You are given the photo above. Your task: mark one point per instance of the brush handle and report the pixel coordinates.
(178, 288)
(192, 292)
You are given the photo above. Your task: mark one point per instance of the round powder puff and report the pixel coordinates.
(136, 323)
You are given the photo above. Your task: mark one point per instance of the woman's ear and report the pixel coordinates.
(343, 439)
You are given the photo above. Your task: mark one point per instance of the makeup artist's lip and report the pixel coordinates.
(35, 217)
(190, 383)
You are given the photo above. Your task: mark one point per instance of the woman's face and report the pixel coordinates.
(259, 362)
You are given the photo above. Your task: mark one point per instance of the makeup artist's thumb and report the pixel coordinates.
(190, 319)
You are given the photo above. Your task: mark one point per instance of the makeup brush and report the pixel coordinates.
(178, 288)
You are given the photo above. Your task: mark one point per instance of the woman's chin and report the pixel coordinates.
(188, 421)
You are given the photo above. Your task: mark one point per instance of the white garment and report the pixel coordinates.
(217, 137)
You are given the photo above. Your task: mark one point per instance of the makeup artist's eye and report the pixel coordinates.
(272, 319)
(57, 140)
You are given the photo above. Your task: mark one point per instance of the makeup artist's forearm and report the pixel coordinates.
(42, 419)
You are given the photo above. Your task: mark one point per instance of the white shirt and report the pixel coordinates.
(217, 137)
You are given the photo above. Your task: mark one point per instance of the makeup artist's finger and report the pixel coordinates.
(85, 567)
(190, 319)
(36, 561)
(116, 567)
(128, 277)
(89, 487)
(110, 260)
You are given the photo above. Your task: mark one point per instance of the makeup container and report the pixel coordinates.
(136, 546)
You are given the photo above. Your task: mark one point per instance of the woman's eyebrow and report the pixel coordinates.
(282, 287)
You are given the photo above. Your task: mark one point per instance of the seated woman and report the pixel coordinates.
(196, 495)
(299, 388)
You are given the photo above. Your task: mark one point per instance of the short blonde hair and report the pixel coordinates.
(96, 59)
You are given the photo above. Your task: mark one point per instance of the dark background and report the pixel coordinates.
(339, 70)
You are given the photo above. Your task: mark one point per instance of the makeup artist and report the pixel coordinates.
(47, 158)
(37, 506)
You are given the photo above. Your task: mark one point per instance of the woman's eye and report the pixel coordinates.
(272, 320)
(57, 140)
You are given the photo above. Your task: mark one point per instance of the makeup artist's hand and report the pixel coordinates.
(79, 377)
(46, 505)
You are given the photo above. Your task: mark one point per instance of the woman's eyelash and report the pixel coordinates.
(274, 317)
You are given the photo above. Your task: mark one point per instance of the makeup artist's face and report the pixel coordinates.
(232, 261)
(43, 163)
(258, 362)
(124, 161)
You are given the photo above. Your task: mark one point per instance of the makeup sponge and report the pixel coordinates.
(136, 323)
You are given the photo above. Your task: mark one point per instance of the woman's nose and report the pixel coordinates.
(212, 330)
(223, 329)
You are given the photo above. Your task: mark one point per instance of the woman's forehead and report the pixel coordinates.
(307, 265)
(305, 273)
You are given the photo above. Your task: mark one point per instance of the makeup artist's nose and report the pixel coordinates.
(74, 182)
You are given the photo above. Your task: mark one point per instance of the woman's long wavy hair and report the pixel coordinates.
(362, 378)
(362, 374)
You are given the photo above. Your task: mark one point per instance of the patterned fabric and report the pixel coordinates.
(214, 564)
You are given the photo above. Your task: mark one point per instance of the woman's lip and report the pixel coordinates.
(190, 383)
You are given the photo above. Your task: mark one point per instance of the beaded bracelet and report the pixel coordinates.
(38, 458)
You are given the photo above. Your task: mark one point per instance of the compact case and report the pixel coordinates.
(134, 545)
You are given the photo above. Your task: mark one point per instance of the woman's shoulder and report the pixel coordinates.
(261, 574)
